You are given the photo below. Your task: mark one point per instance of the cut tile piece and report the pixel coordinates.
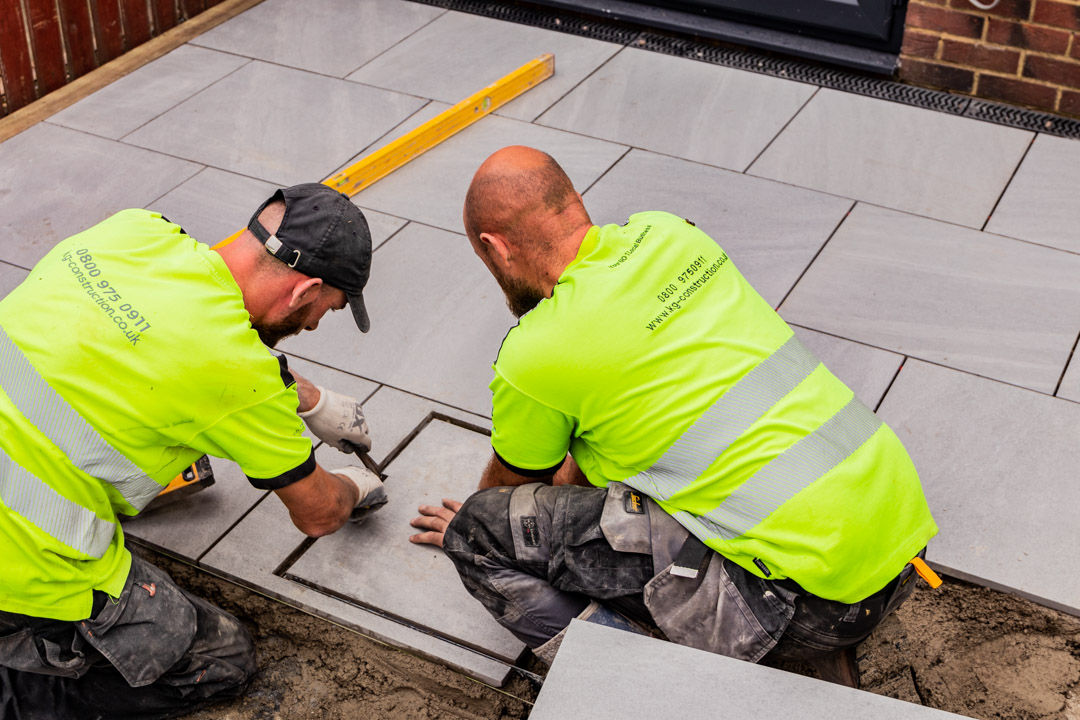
(55, 182)
(1040, 203)
(990, 305)
(265, 538)
(998, 465)
(866, 370)
(138, 98)
(10, 277)
(331, 37)
(188, 527)
(458, 54)
(681, 107)
(771, 231)
(898, 156)
(431, 189)
(437, 321)
(668, 683)
(375, 565)
(218, 127)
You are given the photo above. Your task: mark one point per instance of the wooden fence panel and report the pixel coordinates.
(136, 18)
(109, 30)
(164, 15)
(15, 58)
(78, 36)
(191, 8)
(48, 45)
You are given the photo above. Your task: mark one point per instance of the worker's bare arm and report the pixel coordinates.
(498, 475)
(320, 503)
(309, 394)
(570, 474)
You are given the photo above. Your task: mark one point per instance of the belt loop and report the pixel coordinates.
(691, 558)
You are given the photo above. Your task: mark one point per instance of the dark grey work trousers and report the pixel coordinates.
(154, 652)
(536, 565)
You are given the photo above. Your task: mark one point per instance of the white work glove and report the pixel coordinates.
(372, 492)
(338, 420)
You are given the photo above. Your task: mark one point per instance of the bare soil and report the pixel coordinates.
(960, 648)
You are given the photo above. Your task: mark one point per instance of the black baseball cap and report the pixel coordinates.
(322, 235)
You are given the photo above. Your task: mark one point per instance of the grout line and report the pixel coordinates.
(821, 249)
(232, 527)
(1068, 362)
(746, 170)
(575, 86)
(606, 171)
(399, 41)
(1011, 178)
(159, 198)
(891, 382)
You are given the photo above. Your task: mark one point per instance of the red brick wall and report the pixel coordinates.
(1023, 52)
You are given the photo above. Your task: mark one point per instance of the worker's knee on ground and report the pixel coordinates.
(223, 649)
(482, 524)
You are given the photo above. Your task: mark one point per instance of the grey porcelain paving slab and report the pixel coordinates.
(1070, 384)
(135, 99)
(1040, 203)
(681, 107)
(997, 307)
(998, 465)
(771, 231)
(332, 37)
(868, 371)
(55, 182)
(236, 124)
(458, 54)
(437, 321)
(673, 681)
(431, 189)
(186, 528)
(921, 161)
(214, 204)
(375, 565)
(265, 538)
(10, 276)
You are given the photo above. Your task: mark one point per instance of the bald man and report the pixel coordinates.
(722, 486)
(129, 351)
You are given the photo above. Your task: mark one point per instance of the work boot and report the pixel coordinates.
(596, 614)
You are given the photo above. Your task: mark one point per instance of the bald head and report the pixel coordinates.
(523, 194)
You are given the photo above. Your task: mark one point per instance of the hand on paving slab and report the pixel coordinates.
(338, 420)
(434, 520)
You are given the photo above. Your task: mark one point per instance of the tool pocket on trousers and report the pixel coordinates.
(147, 630)
(20, 651)
(625, 520)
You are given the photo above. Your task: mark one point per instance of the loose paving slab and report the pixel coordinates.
(912, 159)
(55, 182)
(680, 107)
(331, 37)
(1070, 383)
(431, 189)
(669, 680)
(375, 565)
(437, 321)
(1040, 203)
(994, 306)
(868, 371)
(770, 230)
(458, 54)
(998, 465)
(230, 125)
(135, 99)
(264, 540)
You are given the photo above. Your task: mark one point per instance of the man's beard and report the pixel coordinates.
(520, 298)
(273, 333)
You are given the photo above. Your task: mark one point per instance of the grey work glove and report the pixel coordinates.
(372, 492)
(338, 420)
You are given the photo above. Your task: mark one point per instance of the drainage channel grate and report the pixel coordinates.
(769, 65)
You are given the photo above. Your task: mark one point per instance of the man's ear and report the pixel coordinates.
(496, 246)
(304, 291)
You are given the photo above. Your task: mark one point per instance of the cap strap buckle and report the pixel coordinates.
(278, 249)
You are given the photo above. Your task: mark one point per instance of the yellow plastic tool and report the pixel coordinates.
(932, 579)
(380, 163)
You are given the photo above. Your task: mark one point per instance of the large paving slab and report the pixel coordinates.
(998, 465)
(276, 123)
(437, 321)
(994, 306)
(770, 230)
(375, 565)
(135, 99)
(912, 159)
(431, 189)
(188, 527)
(1070, 383)
(868, 371)
(264, 540)
(458, 54)
(681, 107)
(55, 182)
(673, 681)
(10, 276)
(1040, 203)
(331, 37)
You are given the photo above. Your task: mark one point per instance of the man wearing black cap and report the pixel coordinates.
(129, 351)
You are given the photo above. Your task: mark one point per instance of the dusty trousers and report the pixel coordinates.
(535, 555)
(154, 652)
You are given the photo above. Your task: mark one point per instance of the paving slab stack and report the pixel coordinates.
(932, 261)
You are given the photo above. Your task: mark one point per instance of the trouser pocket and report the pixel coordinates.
(25, 651)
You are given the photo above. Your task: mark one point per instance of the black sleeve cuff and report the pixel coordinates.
(287, 378)
(529, 473)
(286, 479)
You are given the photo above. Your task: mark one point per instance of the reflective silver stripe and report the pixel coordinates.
(63, 519)
(728, 418)
(68, 430)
